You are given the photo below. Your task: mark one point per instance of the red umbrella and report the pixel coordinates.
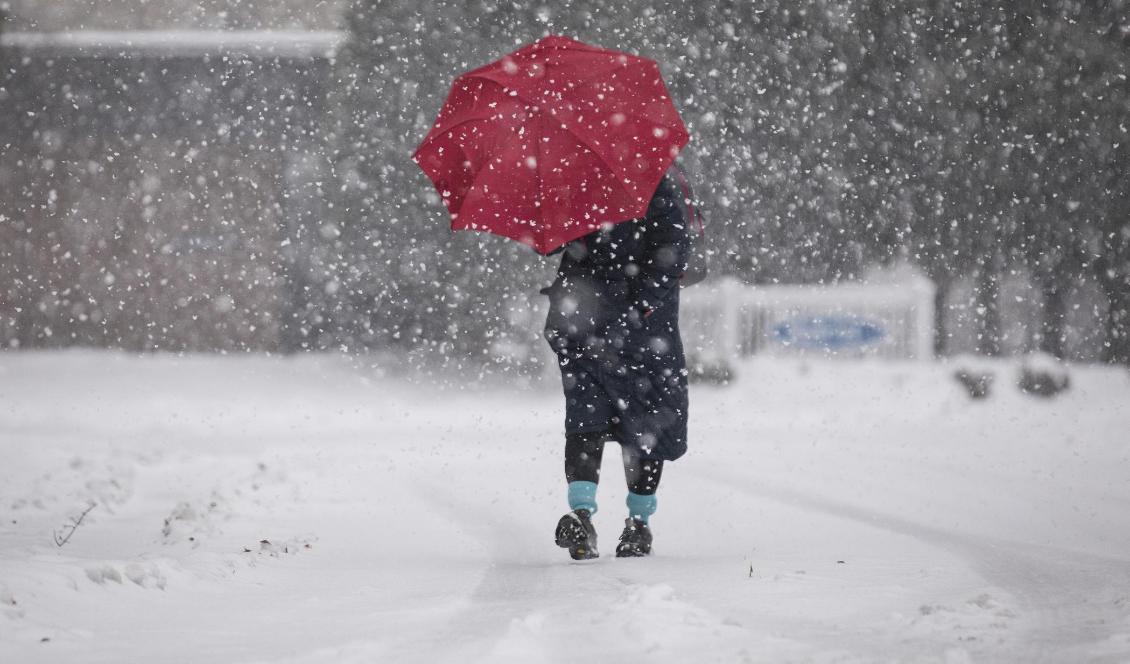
(552, 141)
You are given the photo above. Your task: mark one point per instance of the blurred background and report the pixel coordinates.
(236, 175)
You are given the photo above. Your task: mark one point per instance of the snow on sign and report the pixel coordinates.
(890, 315)
(828, 332)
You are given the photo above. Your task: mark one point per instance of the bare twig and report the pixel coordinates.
(71, 527)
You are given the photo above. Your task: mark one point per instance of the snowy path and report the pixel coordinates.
(828, 512)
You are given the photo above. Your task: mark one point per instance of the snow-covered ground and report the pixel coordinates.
(256, 509)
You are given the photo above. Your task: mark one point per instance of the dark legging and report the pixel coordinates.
(583, 452)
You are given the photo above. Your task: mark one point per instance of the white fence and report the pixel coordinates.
(726, 320)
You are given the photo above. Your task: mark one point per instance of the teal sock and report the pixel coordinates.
(641, 507)
(582, 496)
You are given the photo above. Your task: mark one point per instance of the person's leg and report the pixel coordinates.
(643, 479)
(575, 531)
(583, 453)
(642, 476)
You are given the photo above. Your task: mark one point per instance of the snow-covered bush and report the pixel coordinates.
(715, 371)
(976, 381)
(1043, 375)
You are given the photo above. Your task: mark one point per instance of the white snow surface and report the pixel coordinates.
(306, 510)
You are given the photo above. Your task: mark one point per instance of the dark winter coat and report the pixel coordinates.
(614, 324)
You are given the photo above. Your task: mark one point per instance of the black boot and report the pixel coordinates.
(576, 533)
(635, 541)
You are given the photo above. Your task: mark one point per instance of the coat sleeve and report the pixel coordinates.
(666, 249)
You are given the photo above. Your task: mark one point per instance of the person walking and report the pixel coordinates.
(568, 147)
(613, 323)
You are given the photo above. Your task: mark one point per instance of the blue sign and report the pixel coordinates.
(828, 332)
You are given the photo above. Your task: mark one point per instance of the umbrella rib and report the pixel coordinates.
(537, 176)
(448, 130)
(478, 176)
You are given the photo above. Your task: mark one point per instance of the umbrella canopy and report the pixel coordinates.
(552, 141)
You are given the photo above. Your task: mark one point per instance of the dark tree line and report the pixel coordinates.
(203, 203)
(973, 138)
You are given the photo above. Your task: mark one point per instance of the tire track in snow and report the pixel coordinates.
(1068, 600)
